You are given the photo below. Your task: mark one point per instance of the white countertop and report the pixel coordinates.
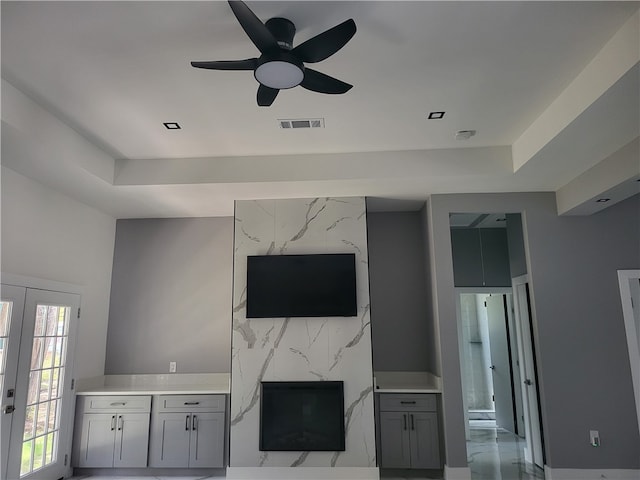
(406, 382)
(170, 384)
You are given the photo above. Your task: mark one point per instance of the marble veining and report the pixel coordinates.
(309, 349)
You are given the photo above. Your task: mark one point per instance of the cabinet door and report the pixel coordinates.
(495, 257)
(132, 440)
(207, 440)
(395, 451)
(467, 257)
(425, 451)
(170, 440)
(97, 439)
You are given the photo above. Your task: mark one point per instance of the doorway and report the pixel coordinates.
(489, 360)
(37, 336)
(497, 357)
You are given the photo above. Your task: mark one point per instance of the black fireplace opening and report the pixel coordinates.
(302, 416)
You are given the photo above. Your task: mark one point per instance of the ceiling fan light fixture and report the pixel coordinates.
(279, 71)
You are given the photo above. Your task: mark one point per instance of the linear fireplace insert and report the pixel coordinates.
(302, 416)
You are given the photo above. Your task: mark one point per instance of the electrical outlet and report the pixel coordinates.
(594, 438)
(173, 367)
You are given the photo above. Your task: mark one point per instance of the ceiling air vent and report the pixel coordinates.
(301, 123)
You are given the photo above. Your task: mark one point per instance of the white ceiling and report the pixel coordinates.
(115, 71)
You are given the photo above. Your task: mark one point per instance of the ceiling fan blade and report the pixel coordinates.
(325, 44)
(248, 64)
(319, 82)
(253, 26)
(266, 95)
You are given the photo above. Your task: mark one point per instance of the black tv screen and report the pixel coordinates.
(302, 416)
(321, 285)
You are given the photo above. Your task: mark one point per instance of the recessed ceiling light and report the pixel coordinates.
(172, 125)
(602, 200)
(436, 115)
(465, 134)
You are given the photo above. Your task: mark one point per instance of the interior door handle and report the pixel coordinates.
(9, 409)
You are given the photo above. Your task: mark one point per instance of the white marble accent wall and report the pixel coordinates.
(294, 349)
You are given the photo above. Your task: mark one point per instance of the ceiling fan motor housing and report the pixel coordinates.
(278, 68)
(283, 31)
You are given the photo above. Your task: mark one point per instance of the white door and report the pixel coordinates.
(500, 362)
(533, 431)
(629, 281)
(11, 309)
(40, 433)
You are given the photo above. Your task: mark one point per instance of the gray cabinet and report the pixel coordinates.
(112, 431)
(188, 431)
(480, 257)
(409, 435)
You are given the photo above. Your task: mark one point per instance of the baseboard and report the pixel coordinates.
(590, 474)
(457, 473)
(302, 473)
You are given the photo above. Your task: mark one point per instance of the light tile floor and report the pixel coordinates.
(494, 454)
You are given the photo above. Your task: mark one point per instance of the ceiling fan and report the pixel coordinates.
(280, 65)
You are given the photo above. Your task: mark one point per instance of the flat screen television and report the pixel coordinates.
(319, 285)
(302, 416)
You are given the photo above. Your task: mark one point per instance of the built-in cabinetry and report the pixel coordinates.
(187, 431)
(480, 257)
(169, 431)
(112, 431)
(408, 431)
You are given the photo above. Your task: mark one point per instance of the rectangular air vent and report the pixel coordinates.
(301, 123)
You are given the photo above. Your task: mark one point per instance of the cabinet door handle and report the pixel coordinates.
(192, 403)
(115, 404)
(407, 402)
(120, 422)
(187, 423)
(194, 423)
(413, 426)
(404, 421)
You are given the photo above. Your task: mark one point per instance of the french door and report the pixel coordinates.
(37, 333)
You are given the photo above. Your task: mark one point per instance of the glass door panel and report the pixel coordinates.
(42, 421)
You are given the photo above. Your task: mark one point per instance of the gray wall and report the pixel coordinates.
(171, 296)
(399, 296)
(585, 379)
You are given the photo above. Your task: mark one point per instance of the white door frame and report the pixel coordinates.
(16, 295)
(534, 450)
(627, 294)
(26, 282)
